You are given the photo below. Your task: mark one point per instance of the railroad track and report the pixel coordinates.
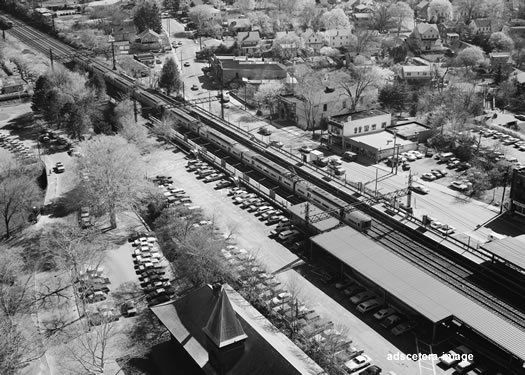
(423, 257)
(442, 268)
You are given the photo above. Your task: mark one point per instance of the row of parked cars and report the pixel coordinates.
(148, 265)
(505, 139)
(367, 302)
(174, 195)
(15, 145)
(462, 360)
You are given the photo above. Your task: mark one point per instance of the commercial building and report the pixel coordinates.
(222, 333)
(416, 73)
(356, 123)
(517, 192)
(377, 146)
(251, 69)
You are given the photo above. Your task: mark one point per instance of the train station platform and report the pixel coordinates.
(420, 291)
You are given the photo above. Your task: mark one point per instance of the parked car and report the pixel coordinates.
(453, 164)
(384, 312)
(462, 167)
(353, 289)
(420, 189)
(59, 168)
(453, 356)
(390, 321)
(194, 87)
(128, 308)
(277, 144)
(402, 328)
(369, 305)
(265, 131)
(439, 172)
(213, 178)
(459, 185)
(406, 166)
(222, 184)
(361, 297)
(371, 370)
(358, 363)
(428, 176)
(186, 64)
(305, 149)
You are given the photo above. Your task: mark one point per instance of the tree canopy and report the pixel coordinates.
(440, 10)
(169, 78)
(147, 16)
(335, 19)
(499, 41)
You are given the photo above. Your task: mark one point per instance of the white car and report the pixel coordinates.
(361, 297)
(368, 305)
(428, 176)
(436, 224)
(458, 185)
(411, 157)
(383, 313)
(420, 189)
(358, 363)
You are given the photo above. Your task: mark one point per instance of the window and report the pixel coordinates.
(374, 127)
(325, 107)
(344, 103)
(409, 74)
(355, 130)
(366, 128)
(383, 125)
(359, 129)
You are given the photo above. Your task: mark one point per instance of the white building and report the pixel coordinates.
(337, 38)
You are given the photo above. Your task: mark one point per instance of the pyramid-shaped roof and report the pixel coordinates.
(223, 327)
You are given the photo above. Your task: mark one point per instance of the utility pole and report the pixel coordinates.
(51, 58)
(377, 172)
(222, 93)
(112, 41)
(394, 160)
(409, 193)
(397, 158)
(504, 188)
(135, 109)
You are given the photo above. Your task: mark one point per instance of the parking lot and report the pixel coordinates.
(249, 230)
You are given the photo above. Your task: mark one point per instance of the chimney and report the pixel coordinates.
(224, 333)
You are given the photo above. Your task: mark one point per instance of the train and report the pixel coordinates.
(276, 172)
(191, 121)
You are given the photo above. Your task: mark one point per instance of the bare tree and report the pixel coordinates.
(89, 352)
(356, 81)
(116, 174)
(18, 193)
(310, 89)
(364, 40)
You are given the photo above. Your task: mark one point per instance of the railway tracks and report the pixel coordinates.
(442, 268)
(423, 256)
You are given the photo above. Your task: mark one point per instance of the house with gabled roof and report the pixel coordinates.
(148, 37)
(248, 41)
(314, 39)
(220, 333)
(421, 9)
(428, 33)
(337, 38)
(481, 26)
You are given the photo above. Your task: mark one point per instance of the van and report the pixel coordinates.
(368, 305)
(288, 234)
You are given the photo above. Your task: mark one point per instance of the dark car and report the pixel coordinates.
(406, 167)
(371, 370)
(128, 309)
(463, 167)
(265, 131)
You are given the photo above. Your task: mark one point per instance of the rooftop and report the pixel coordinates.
(422, 292)
(229, 62)
(415, 68)
(353, 116)
(509, 248)
(408, 129)
(381, 140)
(266, 350)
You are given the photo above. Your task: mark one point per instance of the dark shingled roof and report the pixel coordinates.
(223, 327)
(266, 350)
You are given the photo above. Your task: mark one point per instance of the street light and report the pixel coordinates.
(112, 41)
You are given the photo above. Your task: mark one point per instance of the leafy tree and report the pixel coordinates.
(364, 40)
(440, 10)
(170, 76)
(40, 100)
(202, 17)
(116, 180)
(469, 9)
(479, 180)
(500, 41)
(394, 97)
(335, 19)
(400, 13)
(147, 16)
(287, 46)
(172, 5)
(97, 83)
(470, 56)
(267, 94)
(310, 17)
(129, 129)
(245, 5)
(382, 17)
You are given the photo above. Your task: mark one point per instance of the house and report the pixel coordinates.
(362, 19)
(314, 39)
(248, 41)
(239, 24)
(377, 146)
(215, 331)
(121, 48)
(308, 114)
(480, 26)
(148, 37)
(337, 38)
(416, 73)
(351, 124)
(250, 69)
(499, 59)
(11, 85)
(126, 30)
(421, 10)
(429, 35)
(452, 38)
